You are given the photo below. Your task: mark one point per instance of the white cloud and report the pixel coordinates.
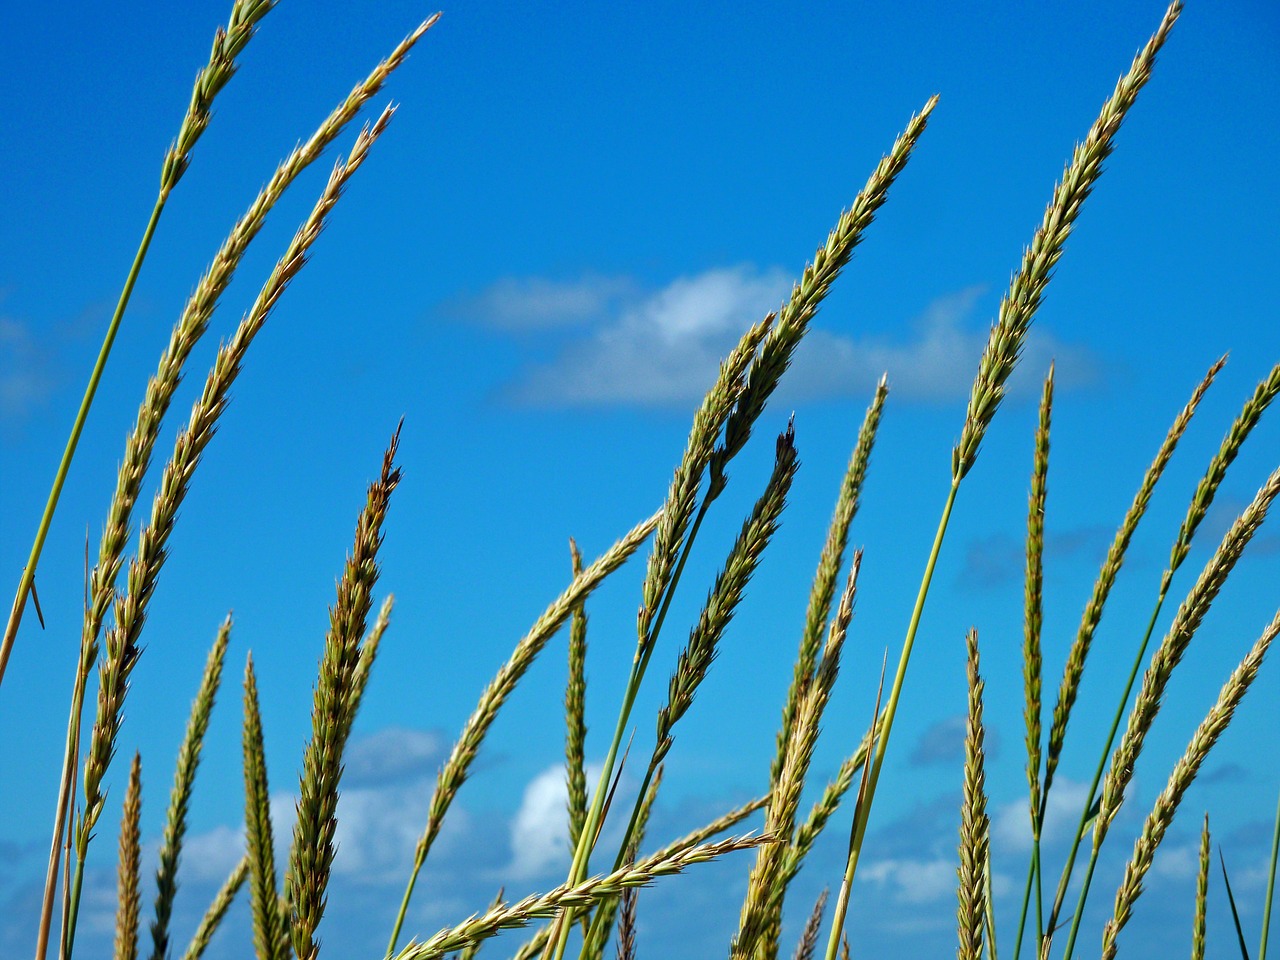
(535, 303)
(539, 836)
(1011, 823)
(664, 347)
(913, 881)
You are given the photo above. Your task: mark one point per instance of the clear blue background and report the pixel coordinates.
(576, 205)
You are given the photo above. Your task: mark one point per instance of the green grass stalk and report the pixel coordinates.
(1271, 886)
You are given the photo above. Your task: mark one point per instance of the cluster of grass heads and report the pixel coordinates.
(588, 909)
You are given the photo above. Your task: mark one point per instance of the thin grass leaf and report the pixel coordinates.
(175, 824)
(212, 918)
(1271, 886)
(1235, 914)
(128, 898)
(1184, 773)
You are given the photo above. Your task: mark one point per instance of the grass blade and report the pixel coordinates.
(1271, 886)
(1235, 915)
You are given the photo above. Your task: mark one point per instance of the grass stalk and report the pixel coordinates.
(582, 894)
(812, 929)
(270, 936)
(454, 772)
(190, 327)
(1073, 670)
(575, 708)
(974, 825)
(1004, 346)
(175, 824)
(1271, 886)
(822, 593)
(1032, 660)
(764, 886)
(1184, 773)
(122, 640)
(1202, 896)
(218, 908)
(227, 46)
(312, 851)
(128, 897)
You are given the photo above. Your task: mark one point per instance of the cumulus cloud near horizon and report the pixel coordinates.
(612, 342)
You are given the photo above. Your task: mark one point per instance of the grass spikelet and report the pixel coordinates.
(793, 319)
(1169, 654)
(1018, 308)
(1184, 773)
(175, 824)
(758, 529)
(1034, 598)
(469, 952)
(218, 908)
(764, 886)
(822, 593)
(1202, 895)
(129, 900)
(812, 928)
(122, 648)
(227, 45)
(1240, 429)
(454, 772)
(270, 938)
(369, 652)
(582, 894)
(974, 826)
(627, 925)
(311, 854)
(1073, 670)
(575, 709)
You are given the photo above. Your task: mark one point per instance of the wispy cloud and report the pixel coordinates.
(943, 742)
(27, 379)
(662, 347)
(1000, 559)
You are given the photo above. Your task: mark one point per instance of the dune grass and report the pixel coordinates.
(287, 912)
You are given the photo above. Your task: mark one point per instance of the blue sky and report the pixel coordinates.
(571, 217)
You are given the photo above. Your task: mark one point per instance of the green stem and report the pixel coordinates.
(1060, 897)
(46, 519)
(644, 652)
(73, 908)
(1026, 904)
(862, 814)
(1084, 895)
(1271, 886)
